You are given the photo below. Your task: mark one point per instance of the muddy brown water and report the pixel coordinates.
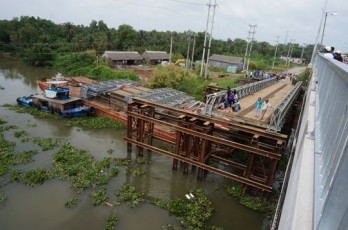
(42, 207)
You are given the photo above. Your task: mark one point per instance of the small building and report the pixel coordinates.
(232, 64)
(293, 60)
(155, 57)
(115, 58)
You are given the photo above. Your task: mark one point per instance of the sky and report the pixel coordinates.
(294, 21)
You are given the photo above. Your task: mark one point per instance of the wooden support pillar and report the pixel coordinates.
(251, 157)
(150, 130)
(129, 129)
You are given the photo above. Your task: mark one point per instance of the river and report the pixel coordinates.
(42, 207)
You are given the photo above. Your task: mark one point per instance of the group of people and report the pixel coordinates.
(231, 100)
(261, 106)
(329, 52)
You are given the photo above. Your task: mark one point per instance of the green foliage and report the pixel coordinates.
(178, 78)
(192, 213)
(99, 196)
(111, 221)
(71, 203)
(81, 168)
(20, 134)
(84, 64)
(24, 157)
(32, 111)
(3, 197)
(90, 122)
(46, 143)
(6, 157)
(94, 122)
(304, 76)
(129, 194)
(31, 177)
(253, 202)
(230, 81)
(38, 55)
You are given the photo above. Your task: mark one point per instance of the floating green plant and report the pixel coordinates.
(99, 196)
(135, 171)
(3, 197)
(81, 168)
(2, 122)
(71, 203)
(142, 160)
(46, 143)
(130, 195)
(32, 111)
(111, 221)
(19, 134)
(193, 212)
(23, 157)
(94, 122)
(253, 202)
(31, 177)
(110, 151)
(123, 161)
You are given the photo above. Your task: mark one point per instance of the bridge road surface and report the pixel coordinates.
(274, 93)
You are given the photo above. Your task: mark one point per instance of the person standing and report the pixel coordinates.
(258, 106)
(265, 106)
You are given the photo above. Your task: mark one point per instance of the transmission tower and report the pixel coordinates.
(251, 46)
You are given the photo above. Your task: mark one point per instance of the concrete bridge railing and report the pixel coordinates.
(317, 189)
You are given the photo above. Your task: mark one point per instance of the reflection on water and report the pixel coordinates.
(42, 207)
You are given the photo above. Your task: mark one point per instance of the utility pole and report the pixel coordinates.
(210, 38)
(275, 52)
(288, 57)
(318, 34)
(205, 38)
(303, 47)
(188, 53)
(193, 49)
(292, 47)
(171, 47)
(251, 47)
(247, 47)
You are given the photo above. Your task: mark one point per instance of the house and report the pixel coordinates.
(115, 58)
(293, 60)
(232, 64)
(155, 57)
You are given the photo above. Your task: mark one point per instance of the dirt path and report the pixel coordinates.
(296, 70)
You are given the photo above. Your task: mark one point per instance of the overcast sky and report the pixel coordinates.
(299, 18)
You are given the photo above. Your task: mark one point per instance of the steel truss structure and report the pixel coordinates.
(213, 100)
(245, 154)
(280, 111)
(92, 90)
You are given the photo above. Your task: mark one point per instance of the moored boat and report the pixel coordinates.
(70, 107)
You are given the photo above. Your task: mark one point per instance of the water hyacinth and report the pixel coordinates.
(129, 194)
(31, 177)
(71, 203)
(111, 221)
(81, 168)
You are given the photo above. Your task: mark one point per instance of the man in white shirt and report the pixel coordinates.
(265, 106)
(328, 53)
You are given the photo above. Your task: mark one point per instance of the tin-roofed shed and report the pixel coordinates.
(227, 62)
(155, 57)
(122, 58)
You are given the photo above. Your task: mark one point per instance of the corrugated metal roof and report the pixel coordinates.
(226, 59)
(156, 55)
(122, 55)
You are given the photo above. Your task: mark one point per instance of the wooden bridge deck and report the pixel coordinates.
(274, 93)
